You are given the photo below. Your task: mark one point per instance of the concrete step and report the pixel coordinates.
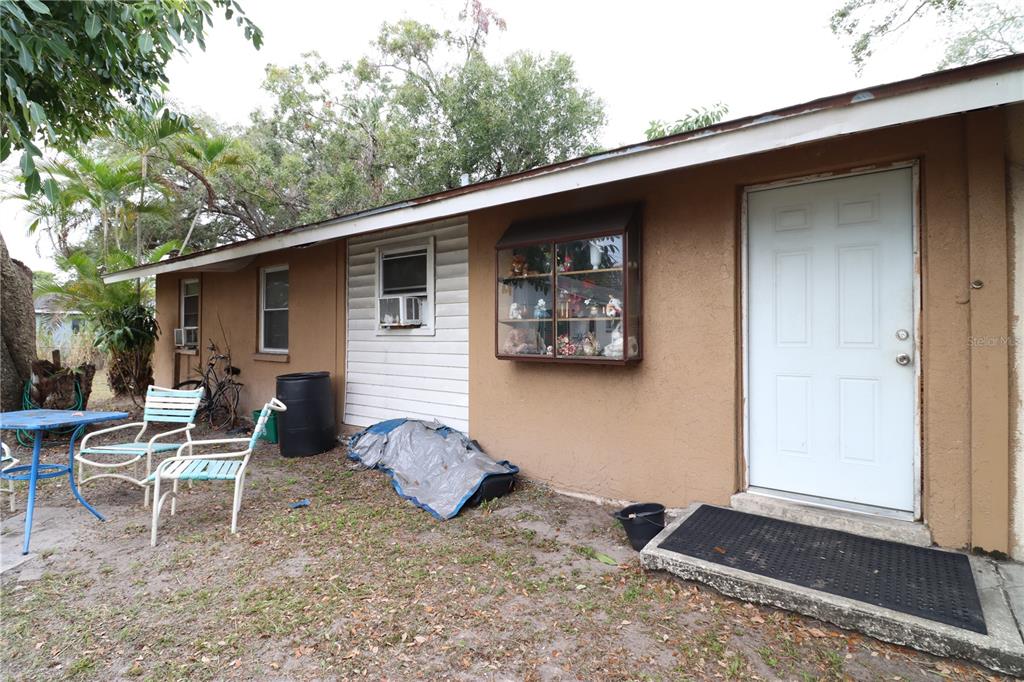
(1002, 649)
(868, 525)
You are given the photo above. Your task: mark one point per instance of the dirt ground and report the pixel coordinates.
(362, 585)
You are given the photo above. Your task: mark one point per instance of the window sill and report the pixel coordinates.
(186, 351)
(405, 331)
(270, 357)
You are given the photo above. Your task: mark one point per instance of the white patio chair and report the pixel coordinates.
(7, 461)
(219, 466)
(163, 406)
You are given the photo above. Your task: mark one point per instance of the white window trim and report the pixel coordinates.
(263, 309)
(181, 303)
(401, 245)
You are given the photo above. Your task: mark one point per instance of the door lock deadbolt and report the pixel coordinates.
(902, 334)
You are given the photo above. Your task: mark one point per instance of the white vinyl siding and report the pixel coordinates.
(404, 372)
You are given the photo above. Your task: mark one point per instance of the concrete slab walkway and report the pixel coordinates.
(1000, 587)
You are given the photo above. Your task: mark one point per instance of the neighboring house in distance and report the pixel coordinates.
(55, 325)
(815, 304)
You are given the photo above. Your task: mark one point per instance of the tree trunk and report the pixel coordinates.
(188, 235)
(138, 214)
(105, 220)
(53, 388)
(17, 329)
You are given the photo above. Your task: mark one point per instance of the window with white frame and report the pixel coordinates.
(405, 287)
(274, 309)
(189, 313)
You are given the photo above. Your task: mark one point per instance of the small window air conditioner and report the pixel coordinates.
(186, 337)
(401, 311)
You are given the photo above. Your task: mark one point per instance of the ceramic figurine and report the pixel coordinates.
(614, 347)
(540, 311)
(613, 308)
(593, 308)
(518, 267)
(515, 311)
(596, 251)
(522, 342)
(566, 265)
(590, 345)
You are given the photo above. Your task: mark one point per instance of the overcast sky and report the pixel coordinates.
(644, 59)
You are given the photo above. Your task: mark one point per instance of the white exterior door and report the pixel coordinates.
(831, 341)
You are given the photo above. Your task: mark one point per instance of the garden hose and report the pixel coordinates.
(27, 438)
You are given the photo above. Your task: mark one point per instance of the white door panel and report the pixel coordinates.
(830, 284)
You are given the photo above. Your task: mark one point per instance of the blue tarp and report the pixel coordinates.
(433, 466)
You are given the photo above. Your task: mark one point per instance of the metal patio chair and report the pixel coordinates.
(217, 466)
(163, 406)
(7, 461)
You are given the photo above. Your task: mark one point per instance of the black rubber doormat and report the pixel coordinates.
(922, 582)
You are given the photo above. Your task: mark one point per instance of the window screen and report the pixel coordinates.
(275, 310)
(190, 304)
(403, 273)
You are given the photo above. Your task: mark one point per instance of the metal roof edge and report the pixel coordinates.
(971, 87)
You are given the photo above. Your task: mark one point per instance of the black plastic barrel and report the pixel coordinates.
(307, 426)
(642, 522)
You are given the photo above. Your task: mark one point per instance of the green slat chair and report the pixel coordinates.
(219, 466)
(163, 406)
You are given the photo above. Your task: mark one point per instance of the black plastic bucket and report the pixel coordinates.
(642, 522)
(307, 426)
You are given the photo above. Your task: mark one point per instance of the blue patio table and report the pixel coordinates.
(40, 421)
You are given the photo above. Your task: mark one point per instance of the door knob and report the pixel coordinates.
(903, 359)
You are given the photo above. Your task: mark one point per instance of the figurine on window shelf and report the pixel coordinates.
(540, 311)
(590, 345)
(613, 308)
(566, 265)
(516, 310)
(518, 267)
(593, 307)
(522, 342)
(614, 347)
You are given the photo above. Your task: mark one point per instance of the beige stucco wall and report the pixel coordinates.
(1015, 211)
(669, 429)
(229, 314)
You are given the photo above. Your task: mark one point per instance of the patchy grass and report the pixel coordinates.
(362, 584)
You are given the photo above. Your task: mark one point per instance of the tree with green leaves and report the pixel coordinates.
(147, 131)
(424, 112)
(86, 190)
(203, 157)
(976, 30)
(68, 66)
(121, 316)
(446, 123)
(696, 118)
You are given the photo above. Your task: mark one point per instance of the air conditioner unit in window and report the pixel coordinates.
(186, 337)
(401, 311)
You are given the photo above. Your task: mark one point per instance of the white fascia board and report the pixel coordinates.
(637, 161)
